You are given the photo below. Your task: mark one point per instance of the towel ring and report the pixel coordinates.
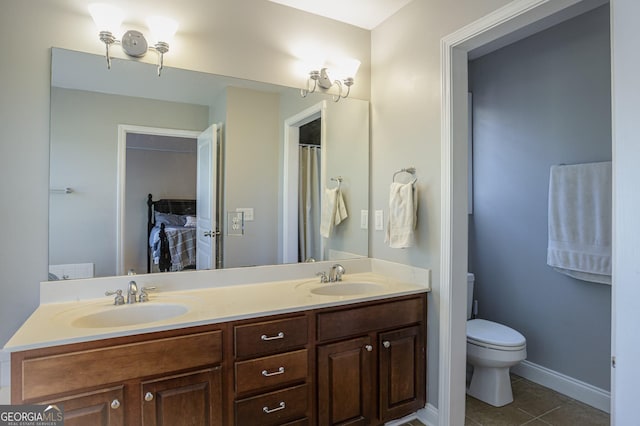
(410, 170)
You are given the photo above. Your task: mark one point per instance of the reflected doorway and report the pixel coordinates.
(156, 161)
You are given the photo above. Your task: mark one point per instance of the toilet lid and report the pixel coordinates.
(484, 331)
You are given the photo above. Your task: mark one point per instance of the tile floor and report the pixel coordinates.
(533, 405)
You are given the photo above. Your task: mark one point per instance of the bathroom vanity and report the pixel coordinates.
(317, 359)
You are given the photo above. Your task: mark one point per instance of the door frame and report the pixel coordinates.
(121, 178)
(290, 176)
(511, 22)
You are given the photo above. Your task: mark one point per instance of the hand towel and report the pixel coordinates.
(328, 213)
(580, 221)
(341, 209)
(403, 204)
(334, 211)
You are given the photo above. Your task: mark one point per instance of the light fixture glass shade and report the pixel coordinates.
(162, 29)
(347, 68)
(107, 17)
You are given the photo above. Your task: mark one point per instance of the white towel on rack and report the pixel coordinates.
(401, 223)
(580, 221)
(334, 211)
(341, 209)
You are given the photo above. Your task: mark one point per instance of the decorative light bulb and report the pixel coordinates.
(162, 29)
(106, 17)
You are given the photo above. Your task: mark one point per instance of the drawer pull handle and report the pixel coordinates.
(280, 370)
(386, 344)
(267, 410)
(148, 396)
(277, 336)
(115, 404)
(369, 348)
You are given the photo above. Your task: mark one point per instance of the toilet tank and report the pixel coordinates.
(470, 280)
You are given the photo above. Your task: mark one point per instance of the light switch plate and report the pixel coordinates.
(379, 220)
(248, 213)
(364, 219)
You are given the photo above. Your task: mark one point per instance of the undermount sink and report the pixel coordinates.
(346, 289)
(119, 316)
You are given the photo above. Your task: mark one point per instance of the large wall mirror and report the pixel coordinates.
(273, 160)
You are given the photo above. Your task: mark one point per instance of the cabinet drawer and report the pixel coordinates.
(55, 374)
(270, 336)
(350, 322)
(273, 408)
(271, 371)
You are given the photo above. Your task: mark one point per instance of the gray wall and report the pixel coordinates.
(542, 101)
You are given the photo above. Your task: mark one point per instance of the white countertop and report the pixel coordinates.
(52, 323)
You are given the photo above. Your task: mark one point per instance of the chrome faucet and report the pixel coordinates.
(144, 293)
(336, 272)
(132, 292)
(323, 277)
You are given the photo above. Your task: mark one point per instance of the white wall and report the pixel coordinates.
(220, 37)
(405, 102)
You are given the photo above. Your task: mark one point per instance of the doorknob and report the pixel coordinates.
(211, 234)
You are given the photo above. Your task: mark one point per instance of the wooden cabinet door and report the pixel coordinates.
(193, 399)
(401, 372)
(345, 382)
(103, 407)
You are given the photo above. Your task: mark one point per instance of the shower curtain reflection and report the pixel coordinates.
(309, 203)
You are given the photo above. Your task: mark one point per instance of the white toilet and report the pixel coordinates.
(492, 349)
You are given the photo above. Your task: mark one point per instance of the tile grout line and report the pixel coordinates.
(541, 415)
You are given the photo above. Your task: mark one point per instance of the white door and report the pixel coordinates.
(206, 199)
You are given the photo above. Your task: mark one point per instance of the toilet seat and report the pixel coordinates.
(489, 334)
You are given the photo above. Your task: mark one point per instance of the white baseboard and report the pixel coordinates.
(428, 415)
(566, 385)
(398, 422)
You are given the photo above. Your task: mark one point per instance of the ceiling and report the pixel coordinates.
(366, 14)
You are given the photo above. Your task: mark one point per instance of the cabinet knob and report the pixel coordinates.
(115, 404)
(369, 348)
(386, 343)
(148, 396)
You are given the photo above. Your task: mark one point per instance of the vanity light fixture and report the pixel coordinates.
(320, 78)
(108, 19)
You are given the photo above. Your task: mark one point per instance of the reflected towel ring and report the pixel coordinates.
(410, 170)
(337, 179)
